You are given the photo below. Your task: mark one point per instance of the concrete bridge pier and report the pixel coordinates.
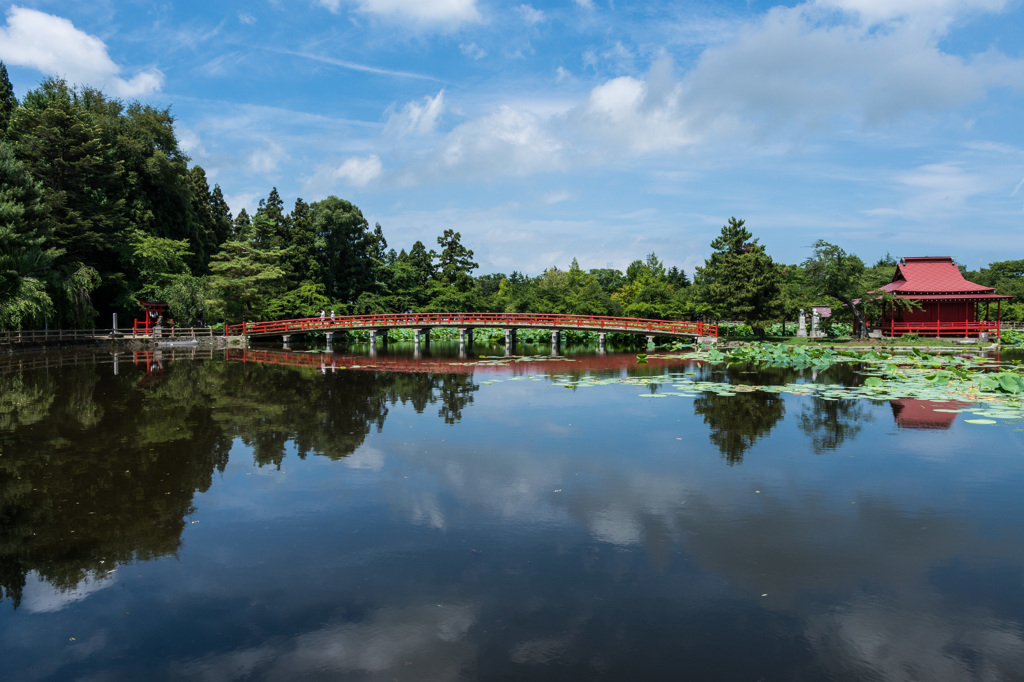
(556, 341)
(466, 337)
(650, 341)
(286, 341)
(381, 334)
(330, 341)
(510, 341)
(421, 336)
(602, 342)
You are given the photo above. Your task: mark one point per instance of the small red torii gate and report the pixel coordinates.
(155, 312)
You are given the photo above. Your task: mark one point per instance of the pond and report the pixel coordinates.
(270, 515)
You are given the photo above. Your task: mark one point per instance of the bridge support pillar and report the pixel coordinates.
(286, 341)
(421, 335)
(556, 341)
(602, 342)
(466, 336)
(376, 334)
(510, 340)
(650, 341)
(330, 340)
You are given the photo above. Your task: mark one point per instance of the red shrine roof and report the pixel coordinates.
(934, 277)
(152, 305)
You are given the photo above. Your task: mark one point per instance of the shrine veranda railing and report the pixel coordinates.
(961, 329)
(626, 325)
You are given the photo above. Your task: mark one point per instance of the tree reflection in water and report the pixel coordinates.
(100, 470)
(830, 423)
(738, 421)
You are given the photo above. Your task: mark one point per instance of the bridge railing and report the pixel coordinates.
(501, 320)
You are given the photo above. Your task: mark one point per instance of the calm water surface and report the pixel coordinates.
(285, 518)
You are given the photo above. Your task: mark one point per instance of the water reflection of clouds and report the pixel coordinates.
(774, 529)
(902, 643)
(413, 642)
(41, 597)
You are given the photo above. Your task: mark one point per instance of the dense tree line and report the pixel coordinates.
(99, 207)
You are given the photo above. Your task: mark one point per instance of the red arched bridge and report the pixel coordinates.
(424, 322)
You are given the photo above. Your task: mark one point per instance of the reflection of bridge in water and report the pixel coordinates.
(422, 323)
(405, 363)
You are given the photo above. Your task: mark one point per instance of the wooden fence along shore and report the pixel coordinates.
(44, 336)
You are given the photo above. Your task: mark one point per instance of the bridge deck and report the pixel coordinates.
(625, 325)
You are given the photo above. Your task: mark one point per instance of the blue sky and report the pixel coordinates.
(597, 129)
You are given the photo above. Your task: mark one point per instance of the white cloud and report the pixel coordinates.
(934, 192)
(783, 75)
(246, 18)
(561, 74)
(53, 45)
(189, 140)
(359, 171)
(417, 118)
(472, 50)
(557, 197)
(249, 201)
(629, 114)
(885, 10)
(267, 160)
(585, 4)
(506, 142)
(530, 15)
(449, 12)
(787, 70)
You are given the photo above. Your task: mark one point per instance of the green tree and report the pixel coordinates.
(270, 224)
(739, 281)
(223, 226)
(187, 297)
(244, 281)
(159, 262)
(25, 262)
(344, 242)
(455, 262)
(8, 102)
(611, 280)
(302, 242)
(677, 278)
(241, 225)
(62, 146)
(648, 292)
(833, 272)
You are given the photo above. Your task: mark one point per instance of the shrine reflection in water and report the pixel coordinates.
(286, 516)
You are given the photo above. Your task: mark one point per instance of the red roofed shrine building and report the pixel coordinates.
(949, 303)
